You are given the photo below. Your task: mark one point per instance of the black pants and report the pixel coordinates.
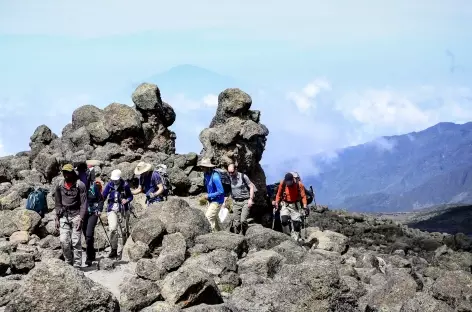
(88, 229)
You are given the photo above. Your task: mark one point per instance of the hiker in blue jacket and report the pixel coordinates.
(215, 192)
(119, 196)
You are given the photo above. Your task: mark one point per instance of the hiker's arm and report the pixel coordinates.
(160, 190)
(303, 194)
(137, 191)
(251, 186)
(58, 201)
(219, 187)
(83, 200)
(279, 193)
(129, 194)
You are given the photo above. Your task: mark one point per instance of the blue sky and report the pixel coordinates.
(324, 75)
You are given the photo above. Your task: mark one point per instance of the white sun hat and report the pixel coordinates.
(115, 175)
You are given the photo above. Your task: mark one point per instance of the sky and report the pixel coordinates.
(324, 75)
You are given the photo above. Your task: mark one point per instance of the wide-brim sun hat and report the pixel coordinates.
(115, 175)
(206, 162)
(142, 167)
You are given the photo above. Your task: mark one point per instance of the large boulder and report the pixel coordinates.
(170, 258)
(178, 216)
(264, 263)
(8, 287)
(260, 237)
(189, 286)
(54, 285)
(455, 288)
(147, 97)
(121, 121)
(26, 220)
(329, 241)
(136, 294)
(149, 230)
(21, 262)
(85, 115)
(46, 164)
(224, 240)
(10, 200)
(7, 225)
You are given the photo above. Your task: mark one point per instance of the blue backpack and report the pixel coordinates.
(37, 201)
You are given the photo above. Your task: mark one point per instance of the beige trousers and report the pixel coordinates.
(114, 220)
(212, 216)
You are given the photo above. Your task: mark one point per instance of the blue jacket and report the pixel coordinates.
(124, 189)
(214, 187)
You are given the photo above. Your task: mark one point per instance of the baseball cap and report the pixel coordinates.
(68, 168)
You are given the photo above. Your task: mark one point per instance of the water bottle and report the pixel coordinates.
(116, 204)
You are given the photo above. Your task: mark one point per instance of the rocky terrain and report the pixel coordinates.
(171, 261)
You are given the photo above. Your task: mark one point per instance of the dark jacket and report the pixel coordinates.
(71, 202)
(123, 192)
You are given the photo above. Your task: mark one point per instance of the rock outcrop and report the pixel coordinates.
(236, 136)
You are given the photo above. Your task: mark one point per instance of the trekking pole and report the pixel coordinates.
(106, 234)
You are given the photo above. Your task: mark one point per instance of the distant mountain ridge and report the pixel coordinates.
(410, 171)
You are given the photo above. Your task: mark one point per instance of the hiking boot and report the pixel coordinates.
(88, 262)
(113, 253)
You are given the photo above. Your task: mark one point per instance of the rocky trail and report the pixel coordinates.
(172, 262)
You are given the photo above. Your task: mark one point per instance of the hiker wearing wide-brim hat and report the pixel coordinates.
(150, 183)
(71, 206)
(215, 192)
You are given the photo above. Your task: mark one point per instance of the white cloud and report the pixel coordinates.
(305, 99)
(383, 108)
(384, 144)
(210, 100)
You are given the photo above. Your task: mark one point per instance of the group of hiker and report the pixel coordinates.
(80, 199)
(290, 204)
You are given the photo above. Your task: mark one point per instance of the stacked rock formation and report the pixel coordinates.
(236, 136)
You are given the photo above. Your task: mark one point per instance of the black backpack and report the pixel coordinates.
(225, 180)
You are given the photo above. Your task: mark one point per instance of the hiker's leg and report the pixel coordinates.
(90, 236)
(65, 231)
(113, 226)
(285, 218)
(296, 217)
(244, 215)
(237, 211)
(77, 241)
(212, 216)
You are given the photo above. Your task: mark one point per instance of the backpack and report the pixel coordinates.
(37, 201)
(225, 180)
(94, 192)
(165, 180)
(309, 194)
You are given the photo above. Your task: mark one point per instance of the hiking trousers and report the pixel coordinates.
(88, 228)
(212, 216)
(293, 212)
(240, 215)
(71, 240)
(118, 225)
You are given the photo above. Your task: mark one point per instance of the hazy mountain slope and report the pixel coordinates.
(426, 167)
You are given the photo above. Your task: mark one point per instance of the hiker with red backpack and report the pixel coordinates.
(150, 183)
(95, 201)
(119, 196)
(292, 198)
(215, 192)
